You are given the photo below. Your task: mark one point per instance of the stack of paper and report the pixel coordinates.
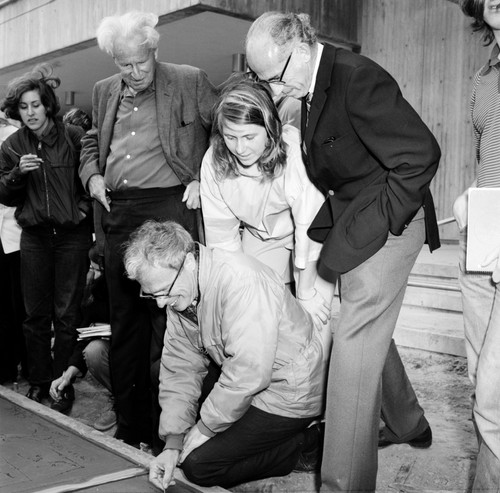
(483, 230)
(103, 330)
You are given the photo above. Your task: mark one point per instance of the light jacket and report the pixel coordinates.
(271, 355)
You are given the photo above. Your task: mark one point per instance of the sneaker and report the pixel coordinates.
(107, 418)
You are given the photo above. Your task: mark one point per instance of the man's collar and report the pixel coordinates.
(493, 60)
(128, 91)
(319, 52)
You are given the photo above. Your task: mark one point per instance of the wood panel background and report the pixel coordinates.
(427, 45)
(336, 20)
(429, 48)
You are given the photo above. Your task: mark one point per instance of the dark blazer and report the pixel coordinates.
(371, 155)
(184, 101)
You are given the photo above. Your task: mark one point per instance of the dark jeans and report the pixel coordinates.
(134, 320)
(54, 265)
(259, 445)
(12, 345)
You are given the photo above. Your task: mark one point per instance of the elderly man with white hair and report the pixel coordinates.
(141, 159)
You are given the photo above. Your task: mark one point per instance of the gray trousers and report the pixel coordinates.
(366, 376)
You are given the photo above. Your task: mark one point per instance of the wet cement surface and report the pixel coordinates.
(444, 391)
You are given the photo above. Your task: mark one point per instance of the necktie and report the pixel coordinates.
(308, 99)
(306, 107)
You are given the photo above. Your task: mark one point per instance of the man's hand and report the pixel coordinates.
(494, 256)
(192, 195)
(59, 384)
(162, 467)
(97, 190)
(193, 439)
(460, 210)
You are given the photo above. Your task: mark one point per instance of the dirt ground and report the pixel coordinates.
(444, 391)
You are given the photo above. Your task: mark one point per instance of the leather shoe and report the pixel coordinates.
(65, 403)
(38, 392)
(424, 440)
(310, 456)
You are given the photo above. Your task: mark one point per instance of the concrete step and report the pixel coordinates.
(438, 331)
(431, 317)
(427, 295)
(433, 282)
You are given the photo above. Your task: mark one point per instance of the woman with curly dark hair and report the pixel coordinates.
(38, 175)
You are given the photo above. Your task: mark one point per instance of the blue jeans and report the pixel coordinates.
(54, 265)
(481, 310)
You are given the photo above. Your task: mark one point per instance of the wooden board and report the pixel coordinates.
(41, 449)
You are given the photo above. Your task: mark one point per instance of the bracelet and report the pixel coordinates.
(310, 297)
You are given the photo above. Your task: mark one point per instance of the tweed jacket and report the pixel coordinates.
(184, 101)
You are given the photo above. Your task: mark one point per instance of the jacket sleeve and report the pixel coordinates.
(304, 199)
(85, 202)
(221, 225)
(12, 181)
(396, 136)
(249, 331)
(89, 154)
(182, 370)
(207, 97)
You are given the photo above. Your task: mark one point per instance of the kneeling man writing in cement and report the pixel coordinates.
(228, 311)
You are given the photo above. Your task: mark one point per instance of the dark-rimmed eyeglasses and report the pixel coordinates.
(151, 296)
(278, 81)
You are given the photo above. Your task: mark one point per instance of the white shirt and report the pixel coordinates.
(10, 231)
(278, 210)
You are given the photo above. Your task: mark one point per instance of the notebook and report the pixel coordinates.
(483, 228)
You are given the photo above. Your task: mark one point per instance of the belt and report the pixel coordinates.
(145, 193)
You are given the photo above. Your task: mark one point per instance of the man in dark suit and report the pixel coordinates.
(372, 156)
(141, 160)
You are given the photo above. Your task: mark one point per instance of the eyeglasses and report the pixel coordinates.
(278, 81)
(151, 296)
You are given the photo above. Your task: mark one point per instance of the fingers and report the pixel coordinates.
(97, 190)
(53, 391)
(29, 162)
(192, 200)
(158, 477)
(56, 387)
(105, 201)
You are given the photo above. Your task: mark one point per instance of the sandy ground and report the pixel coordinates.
(444, 391)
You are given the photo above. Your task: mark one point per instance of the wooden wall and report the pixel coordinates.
(33, 28)
(334, 19)
(428, 46)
